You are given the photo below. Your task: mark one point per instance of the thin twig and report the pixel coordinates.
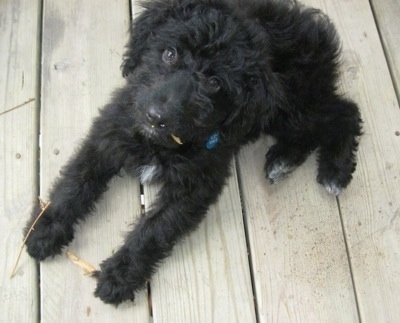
(44, 208)
(17, 106)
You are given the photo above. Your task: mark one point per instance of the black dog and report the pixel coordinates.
(203, 78)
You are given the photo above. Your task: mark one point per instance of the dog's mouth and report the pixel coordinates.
(162, 137)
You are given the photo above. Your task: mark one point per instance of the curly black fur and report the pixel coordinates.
(215, 77)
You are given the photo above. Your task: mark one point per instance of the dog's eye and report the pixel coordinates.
(214, 84)
(170, 56)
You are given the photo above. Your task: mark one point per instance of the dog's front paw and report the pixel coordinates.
(116, 281)
(48, 236)
(112, 288)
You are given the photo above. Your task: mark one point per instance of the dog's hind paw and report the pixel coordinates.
(278, 171)
(333, 188)
(282, 159)
(334, 179)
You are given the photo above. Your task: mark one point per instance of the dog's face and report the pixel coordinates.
(193, 69)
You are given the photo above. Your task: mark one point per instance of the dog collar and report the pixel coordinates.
(213, 140)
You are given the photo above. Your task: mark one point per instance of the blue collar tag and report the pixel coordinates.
(213, 140)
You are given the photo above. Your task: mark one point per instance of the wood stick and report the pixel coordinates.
(88, 269)
(44, 208)
(17, 106)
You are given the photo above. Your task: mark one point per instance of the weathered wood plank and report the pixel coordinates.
(299, 260)
(371, 206)
(19, 22)
(387, 15)
(82, 46)
(303, 275)
(207, 277)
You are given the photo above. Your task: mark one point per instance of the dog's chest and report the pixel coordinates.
(148, 173)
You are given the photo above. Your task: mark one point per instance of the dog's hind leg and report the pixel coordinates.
(339, 134)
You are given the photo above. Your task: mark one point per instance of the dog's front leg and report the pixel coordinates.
(178, 211)
(83, 179)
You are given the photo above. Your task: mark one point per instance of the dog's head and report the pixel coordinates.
(195, 68)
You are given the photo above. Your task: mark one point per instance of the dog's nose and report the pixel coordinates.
(155, 117)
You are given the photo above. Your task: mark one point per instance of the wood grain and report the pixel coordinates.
(18, 151)
(82, 48)
(301, 272)
(387, 15)
(371, 206)
(207, 277)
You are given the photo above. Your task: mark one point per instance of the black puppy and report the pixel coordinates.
(203, 78)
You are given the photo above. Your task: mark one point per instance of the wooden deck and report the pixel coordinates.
(285, 253)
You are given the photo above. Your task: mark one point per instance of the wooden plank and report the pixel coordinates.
(300, 263)
(207, 277)
(82, 46)
(18, 142)
(371, 206)
(300, 266)
(387, 15)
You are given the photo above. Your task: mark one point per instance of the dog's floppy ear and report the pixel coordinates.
(269, 96)
(248, 107)
(264, 96)
(154, 14)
